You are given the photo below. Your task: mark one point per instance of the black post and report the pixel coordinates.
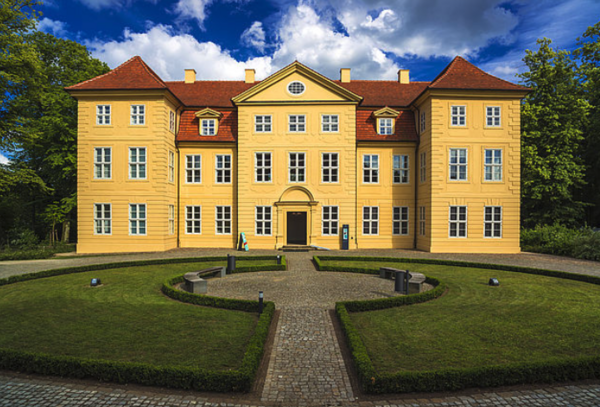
(278, 259)
(230, 263)
(407, 277)
(398, 280)
(260, 302)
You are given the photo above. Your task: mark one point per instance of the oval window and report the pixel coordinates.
(296, 88)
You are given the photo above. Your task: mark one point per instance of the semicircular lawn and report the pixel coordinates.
(125, 319)
(528, 318)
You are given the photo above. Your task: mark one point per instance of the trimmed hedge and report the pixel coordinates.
(554, 370)
(180, 377)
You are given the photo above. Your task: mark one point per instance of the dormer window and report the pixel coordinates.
(208, 127)
(208, 122)
(385, 126)
(386, 119)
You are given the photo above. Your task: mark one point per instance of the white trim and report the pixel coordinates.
(458, 115)
(263, 220)
(171, 165)
(380, 125)
(263, 167)
(287, 88)
(171, 219)
(330, 123)
(104, 115)
(223, 219)
(493, 165)
(330, 168)
(493, 222)
(263, 124)
(134, 112)
(193, 169)
(103, 164)
(138, 219)
(371, 170)
(458, 221)
(493, 116)
(103, 219)
(172, 120)
(192, 219)
(370, 220)
(297, 123)
(138, 163)
(211, 126)
(400, 220)
(458, 164)
(225, 169)
(300, 169)
(330, 220)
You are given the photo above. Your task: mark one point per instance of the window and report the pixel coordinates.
(171, 166)
(138, 114)
(330, 123)
(263, 220)
(422, 220)
(137, 163)
(459, 115)
(385, 126)
(102, 219)
(423, 122)
(457, 222)
(103, 114)
(262, 167)
(193, 220)
(137, 219)
(223, 168)
(492, 116)
(370, 220)
(171, 219)
(400, 221)
(297, 123)
(329, 221)
(370, 169)
(329, 171)
(102, 162)
(296, 88)
(458, 164)
(492, 222)
(172, 121)
(208, 127)
(400, 171)
(193, 169)
(223, 220)
(423, 167)
(262, 124)
(493, 165)
(297, 167)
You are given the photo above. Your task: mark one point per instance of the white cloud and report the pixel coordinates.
(254, 36)
(54, 27)
(193, 9)
(116, 4)
(3, 159)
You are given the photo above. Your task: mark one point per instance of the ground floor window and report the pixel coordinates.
(223, 220)
(400, 221)
(102, 219)
(263, 220)
(493, 221)
(137, 219)
(457, 222)
(422, 220)
(171, 219)
(370, 220)
(329, 225)
(193, 219)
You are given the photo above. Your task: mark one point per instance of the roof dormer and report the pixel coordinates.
(208, 121)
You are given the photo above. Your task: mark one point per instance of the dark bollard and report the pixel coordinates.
(398, 282)
(230, 263)
(260, 302)
(406, 279)
(278, 259)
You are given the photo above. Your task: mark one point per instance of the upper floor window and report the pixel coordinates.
(423, 167)
(137, 219)
(209, 127)
(458, 115)
(457, 222)
(330, 123)
(223, 220)
(423, 122)
(138, 114)
(297, 167)
(370, 169)
(297, 123)
(386, 126)
(296, 88)
(103, 114)
(492, 116)
(137, 163)
(193, 169)
(400, 221)
(330, 167)
(400, 171)
(492, 222)
(171, 166)
(262, 166)
(172, 121)
(458, 164)
(493, 165)
(223, 168)
(102, 162)
(102, 219)
(329, 221)
(262, 123)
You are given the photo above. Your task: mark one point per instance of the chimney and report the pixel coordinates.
(250, 75)
(403, 76)
(345, 75)
(190, 76)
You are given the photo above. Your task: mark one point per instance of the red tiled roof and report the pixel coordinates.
(133, 74)
(385, 93)
(189, 130)
(208, 93)
(461, 74)
(404, 129)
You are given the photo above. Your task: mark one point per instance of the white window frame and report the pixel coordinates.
(423, 167)
(263, 218)
(330, 123)
(492, 222)
(330, 220)
(400, 170)
(100, 166)
(330, 174)
(137, 222)
(171, 166)
(208, 127)
(493, 116)
(495, 168)
(138, 115)
(423, 122)
(370, 171)
(400, 223)
(222, 220)
(172, 121)
(171, 214)
(455, 162)
(193, 219)
(263, 170)
(290, 86)
(458, 115)
(192, 171)
(422, 220)
(458, 216)
(136, 167)
(222, 169)
(385, 126)
(297, 123)
(103, 115)
(103, 222)
(262, 125)
(296, 169)
(370, 219)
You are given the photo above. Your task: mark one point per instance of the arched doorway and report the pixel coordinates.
(296, 208)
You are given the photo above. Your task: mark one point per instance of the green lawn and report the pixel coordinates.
(528, 318)
(126, 319)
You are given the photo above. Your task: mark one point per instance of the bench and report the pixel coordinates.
(193, 283)
(415, 280)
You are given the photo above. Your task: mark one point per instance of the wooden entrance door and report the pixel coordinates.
(296, 228)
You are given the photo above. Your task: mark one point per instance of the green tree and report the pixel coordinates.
(553, 117)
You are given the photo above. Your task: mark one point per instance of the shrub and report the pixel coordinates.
(562, 241)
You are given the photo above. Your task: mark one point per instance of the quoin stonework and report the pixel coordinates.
(290, 159)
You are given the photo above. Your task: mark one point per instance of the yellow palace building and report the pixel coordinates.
(298, 159)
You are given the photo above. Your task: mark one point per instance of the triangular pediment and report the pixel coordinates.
(386, 112)
(312, 87)
(208, 113)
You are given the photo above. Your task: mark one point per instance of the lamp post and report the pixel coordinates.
(260, 302)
